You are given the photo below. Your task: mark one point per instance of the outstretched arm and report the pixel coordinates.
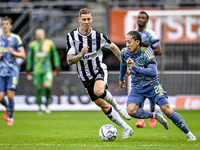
(116, 51)
(20, 53)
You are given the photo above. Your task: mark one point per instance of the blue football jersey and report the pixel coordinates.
(8, 65)
(150, 37)
(144, 56)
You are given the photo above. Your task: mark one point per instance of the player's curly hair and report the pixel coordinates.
(136, 36)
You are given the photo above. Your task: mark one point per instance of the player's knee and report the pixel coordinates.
(1, 99)
(99, 89)
(1, 96)
(99, 92)
(131, 111)
(132, 108)
(166, 109)
(10, 94)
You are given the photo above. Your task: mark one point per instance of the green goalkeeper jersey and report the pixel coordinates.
(41, 56)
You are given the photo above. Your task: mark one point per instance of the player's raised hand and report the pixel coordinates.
(122, 84)
(130, 62)
(84, 50)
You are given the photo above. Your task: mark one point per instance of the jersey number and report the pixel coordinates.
(14, 82)
(159, 90)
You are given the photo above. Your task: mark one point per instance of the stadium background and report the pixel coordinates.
(179, 64)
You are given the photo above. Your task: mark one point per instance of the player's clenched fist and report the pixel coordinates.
(130, 62)
(84, 50)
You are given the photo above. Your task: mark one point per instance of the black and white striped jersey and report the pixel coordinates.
(91, 63)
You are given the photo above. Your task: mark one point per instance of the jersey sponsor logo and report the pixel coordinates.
(3, 50)
(41, 54)
(93, 41)
(86, 57)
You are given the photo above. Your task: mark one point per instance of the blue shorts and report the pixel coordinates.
(156, 94)
(8, 83)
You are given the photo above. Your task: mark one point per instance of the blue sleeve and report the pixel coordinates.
(123, 69)
(150, 71)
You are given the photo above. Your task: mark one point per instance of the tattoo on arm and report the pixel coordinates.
(72, 59)
(116, 51)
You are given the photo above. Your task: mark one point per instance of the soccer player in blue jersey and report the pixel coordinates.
(10, 48)
(148, 36)
(140, 59)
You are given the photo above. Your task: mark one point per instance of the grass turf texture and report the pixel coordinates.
(79, 130)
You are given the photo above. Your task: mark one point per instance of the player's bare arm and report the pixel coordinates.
(116, 51)
(20, 53)
(157, 50)
(72, 59)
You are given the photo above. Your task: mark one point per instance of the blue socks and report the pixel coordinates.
(175, 117)
(179, 122)
(142, 114)
(11, 108)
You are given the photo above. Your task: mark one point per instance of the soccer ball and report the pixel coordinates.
(108, 132)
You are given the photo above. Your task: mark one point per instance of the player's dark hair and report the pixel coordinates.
(143, 12)
(6, 18)
(84, 11)
(136, 36)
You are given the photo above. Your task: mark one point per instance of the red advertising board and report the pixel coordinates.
(188, 102)
(172, 26)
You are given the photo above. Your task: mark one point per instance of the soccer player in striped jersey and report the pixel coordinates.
(140, 59)
(84, 48)
(10, 48)
(41, 52)
(148, 36)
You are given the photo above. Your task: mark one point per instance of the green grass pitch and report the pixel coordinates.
(79, 130)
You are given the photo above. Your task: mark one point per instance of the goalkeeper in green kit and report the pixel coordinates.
(40, 56)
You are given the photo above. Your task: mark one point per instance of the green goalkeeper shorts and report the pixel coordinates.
(41, 78)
